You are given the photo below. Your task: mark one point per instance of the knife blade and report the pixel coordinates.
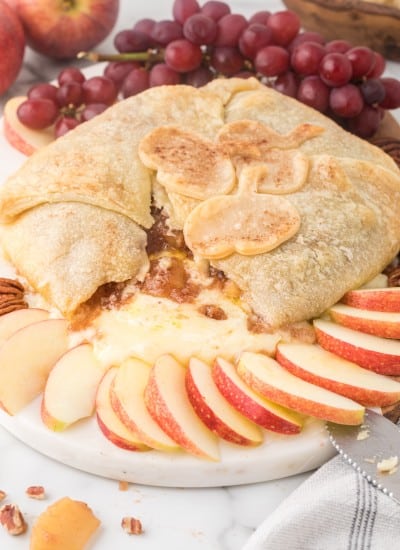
(373, 449)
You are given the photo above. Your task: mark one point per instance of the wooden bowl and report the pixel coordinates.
(371, 24)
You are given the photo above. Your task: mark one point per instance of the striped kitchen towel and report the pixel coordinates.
(334, 509)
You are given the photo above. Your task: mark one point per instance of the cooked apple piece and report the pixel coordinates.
(127, 401)
(381, 355)
(214, 410)
(267, 377)
(374, 299)
(109, 423)
(26, 360)
(22, 138)
(13, 321)
(65, 525)
(378, 323)
(269, 415)
(71, 388)
(323, 368)
(169, 405)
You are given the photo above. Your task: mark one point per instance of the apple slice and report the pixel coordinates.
(214, 410)
(15, 320)
(109, 423)
(22, 138)
(127, 401)
(26, 360)
(323, 368)
(169, 405)
(269, 415)
(371, 352)
(267, 377)
(71, 388)
(374, 299)
(378, 323)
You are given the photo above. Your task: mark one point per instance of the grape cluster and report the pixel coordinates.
(201, 43)
(74, 100)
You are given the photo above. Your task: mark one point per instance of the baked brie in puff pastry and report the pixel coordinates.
(267, 192)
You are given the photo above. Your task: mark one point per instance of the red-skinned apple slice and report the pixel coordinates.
(109, 423)
(371, 352)
(169, 405)
(22, 138)
(269, 415)
(214, 410)
(26, 360)
(378, 323)
(267, 377)
(71, 388)
(127, 401)
(374, 299)
(323, 368)
(15, 320)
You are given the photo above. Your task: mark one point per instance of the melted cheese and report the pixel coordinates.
(150, 326)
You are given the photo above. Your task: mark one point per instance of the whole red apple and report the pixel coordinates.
(12, 44)
(62, 28)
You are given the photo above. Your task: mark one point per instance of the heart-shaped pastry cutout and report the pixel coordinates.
(186, 163)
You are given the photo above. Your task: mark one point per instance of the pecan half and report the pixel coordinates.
(12, 519)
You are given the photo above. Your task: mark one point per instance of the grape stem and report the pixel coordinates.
(151, 56)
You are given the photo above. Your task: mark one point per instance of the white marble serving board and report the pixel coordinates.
(84, 447)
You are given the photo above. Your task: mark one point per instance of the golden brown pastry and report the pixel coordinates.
(289, 206)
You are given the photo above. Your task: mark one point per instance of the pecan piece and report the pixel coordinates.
(35, 491)
(132, 526)
(12, 519)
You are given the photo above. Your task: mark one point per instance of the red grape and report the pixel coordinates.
(392, 93)
(215, 9)
(166, 31)
(226, 60)
(346, 101)
(284, 25)
(183, 56)
(71, 74)
(244, 74)
(366, 123)
(272, 61)
(182, 9)
(161, 75)
(199, 77)
(43, 91)
(313, 92)
(64, 125)
(229, 29)
(373, 91)
(335, 69)
(132, 41)
(337, 46)
(306, 58)
(99, 89)
(253, 38)
(286, 83)
(362, 60)
(379, 66)
(135, 82)
(117, 71)
(260, 17)
(200, 29)
(37, 113)
(144, 26)
(92, 110)
(70, 93)
(306, 37)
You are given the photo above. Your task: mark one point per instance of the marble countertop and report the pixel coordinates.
(204, 519)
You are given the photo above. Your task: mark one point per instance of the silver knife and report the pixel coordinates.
(373, 449)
